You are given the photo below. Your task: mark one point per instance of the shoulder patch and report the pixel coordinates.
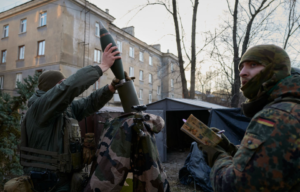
(284, 106)
(266, 122)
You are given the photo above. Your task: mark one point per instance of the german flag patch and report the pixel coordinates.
(266, 122)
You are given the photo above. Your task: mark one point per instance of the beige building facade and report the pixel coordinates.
(64, 35)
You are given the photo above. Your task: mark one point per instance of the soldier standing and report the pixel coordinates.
(46, 133)
(269, 156)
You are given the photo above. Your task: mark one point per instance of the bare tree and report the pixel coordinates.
(205, 79)
(253, 10)
(292, 23)
(246, 26)
(193, 47)
(173, 10)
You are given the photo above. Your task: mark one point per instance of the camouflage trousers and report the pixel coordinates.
(121, 150)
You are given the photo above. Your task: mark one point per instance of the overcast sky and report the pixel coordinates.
(153, 25)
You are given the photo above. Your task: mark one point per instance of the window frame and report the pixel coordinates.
(141, 75)
(97, 56)
(158, 90)
(150, 78)
(131, 75)
(131, 52)
(119, 45)
(150, 96)
(141, 56)
(19, 53)
(150, 61)
(5, 31)
(97, 30)
(44, 47)
(22, 25)
(5, 50)
(18, 79)
(44, 18)
(172, 83)
(141, 94)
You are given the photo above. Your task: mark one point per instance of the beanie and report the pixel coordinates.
(49, 79)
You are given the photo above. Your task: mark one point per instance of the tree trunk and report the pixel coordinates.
(237, 83)
(193, 54)
(180, 60)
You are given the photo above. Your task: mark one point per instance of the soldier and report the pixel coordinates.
(269, 156)
(46, 132)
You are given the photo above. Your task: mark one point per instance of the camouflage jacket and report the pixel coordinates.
(269, 156)
(120, 151)
(46, 108)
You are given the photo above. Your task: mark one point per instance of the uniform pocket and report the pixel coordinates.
(249, 146)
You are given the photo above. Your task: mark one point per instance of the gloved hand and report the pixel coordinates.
(115, 82)
(225, 143)
(127, 77)
(88, 148)
(211, 153)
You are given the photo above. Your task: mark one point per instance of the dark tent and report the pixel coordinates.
(232, 121)
(174, 110)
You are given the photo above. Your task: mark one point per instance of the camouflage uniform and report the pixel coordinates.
(268, 157)
(120, 151)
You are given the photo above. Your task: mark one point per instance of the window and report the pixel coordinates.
(131, 72)
(141, 94)
(150, 97)
(172, 67)
(1, 82)
(172, 83)
(119, 45)
(97, 29)
(5, 30)
(3, 56)
(21, 52)
(96, 85)
(150, 78)
(141, 75)
(141, 57)
(150, 60)
(97, 56)
(172, 95)
(43, 19)
(131, 52)
(158, 90)
(18, 78)
(41, 48)
(23, 25)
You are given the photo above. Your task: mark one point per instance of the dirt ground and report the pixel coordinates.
(174, 163)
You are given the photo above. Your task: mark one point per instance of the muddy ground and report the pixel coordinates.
(174, 163)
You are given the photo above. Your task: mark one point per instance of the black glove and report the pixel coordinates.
(116, 82)
(225, 143)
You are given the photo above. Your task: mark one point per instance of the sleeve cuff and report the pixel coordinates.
(99, 70)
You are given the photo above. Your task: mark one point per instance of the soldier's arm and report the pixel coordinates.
(57, 99)
(84, 107)
(265, 157)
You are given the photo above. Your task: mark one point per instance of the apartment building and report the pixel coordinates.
(64, 35)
